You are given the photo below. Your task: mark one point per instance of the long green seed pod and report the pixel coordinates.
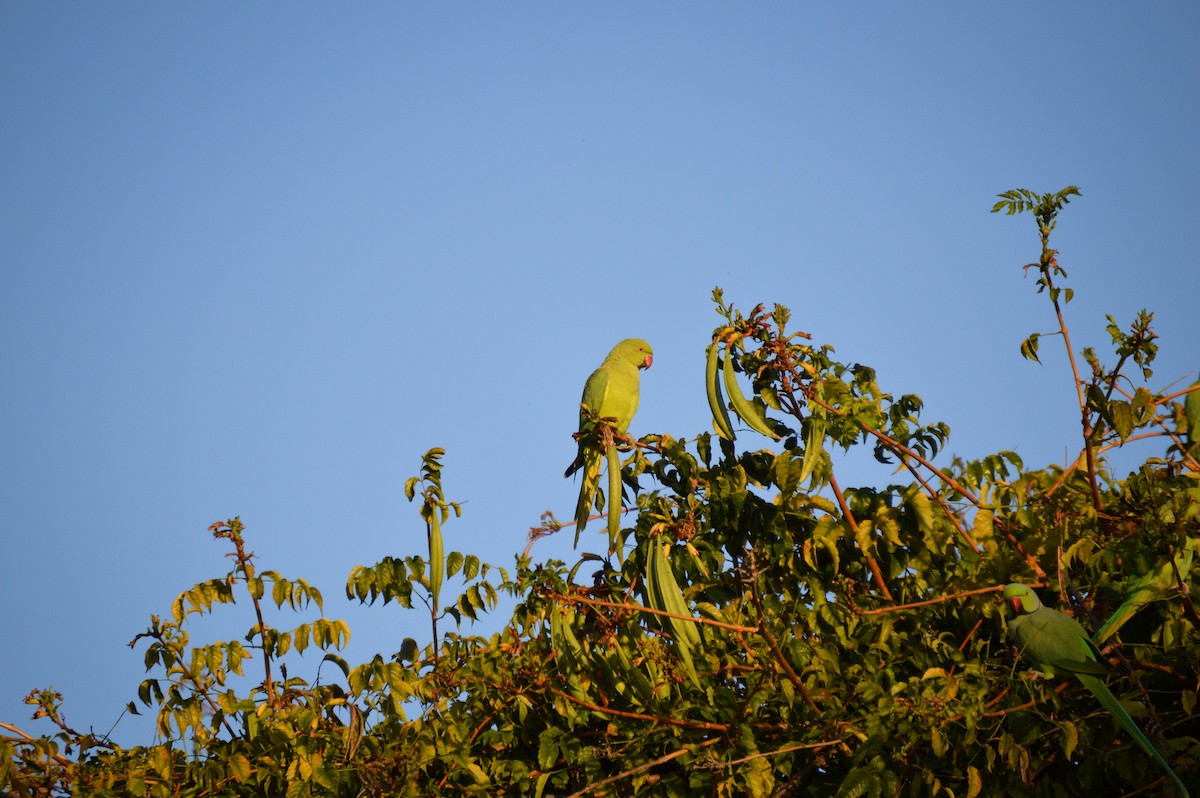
(557, 640)
(673, 600)
(633, 675)
(670, 599)
(813, 444)
(437, 557)
(614, 500)
(743, 407)
(716, 402)
(568, 633)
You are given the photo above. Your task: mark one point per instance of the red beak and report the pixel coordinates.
(648, 362)
(1016, 605)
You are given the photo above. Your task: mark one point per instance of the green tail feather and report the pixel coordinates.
(1099, 689)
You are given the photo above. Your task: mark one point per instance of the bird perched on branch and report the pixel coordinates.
(611, 393)
(1057, 643)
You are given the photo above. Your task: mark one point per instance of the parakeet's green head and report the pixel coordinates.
(634, 351)
(1021, 599)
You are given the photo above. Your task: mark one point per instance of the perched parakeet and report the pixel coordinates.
(1056, 642)
(610, 392)
(1149, 587)
(1191, 410)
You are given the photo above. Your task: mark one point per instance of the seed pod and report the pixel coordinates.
(716, 402)
(437, 558)
(614, 500)
(748, 411)
(664, 591)
(813, 444)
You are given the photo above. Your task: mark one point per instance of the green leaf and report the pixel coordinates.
(974, 782)
(982, 527)
(280, 592)
(1070, 737)
(1121, 413)
(478, 774)
(1029, 348)
(239, 768)
(786, 472)
(341, 664)
(860, 781)
(923, 509)
(548, 750)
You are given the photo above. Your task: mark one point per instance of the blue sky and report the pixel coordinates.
(258, 258)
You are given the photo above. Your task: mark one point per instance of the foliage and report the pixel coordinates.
(768, 631)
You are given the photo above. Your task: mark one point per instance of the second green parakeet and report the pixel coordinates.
(610, 392)
(1149, 587)
(1057, 643)
(1191, 410)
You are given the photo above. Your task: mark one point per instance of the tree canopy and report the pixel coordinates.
(755, 627)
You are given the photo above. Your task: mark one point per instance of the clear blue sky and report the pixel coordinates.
(258, 258)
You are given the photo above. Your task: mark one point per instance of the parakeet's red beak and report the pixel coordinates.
(1016, 605)
(649, 361)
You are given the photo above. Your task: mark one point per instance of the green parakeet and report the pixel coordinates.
(1056, 642)
(1191, 410)
(610, 392)
(1150, 586)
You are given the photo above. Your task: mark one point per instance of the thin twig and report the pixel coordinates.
(644, 766)
(944, 505)
(849, 516)
(620, 713)
(26, 739)
(623, 605)
(785, 750)
(242, 561)
(1085, 416)
(926, 603)
(788, 671)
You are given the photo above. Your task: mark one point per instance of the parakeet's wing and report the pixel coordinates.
(621, 392)
(595, 390)
(1055, 642)
(606, 393)
(595, 393)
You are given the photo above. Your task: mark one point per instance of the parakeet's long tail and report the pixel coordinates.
(1099, 689)
(575, 465)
